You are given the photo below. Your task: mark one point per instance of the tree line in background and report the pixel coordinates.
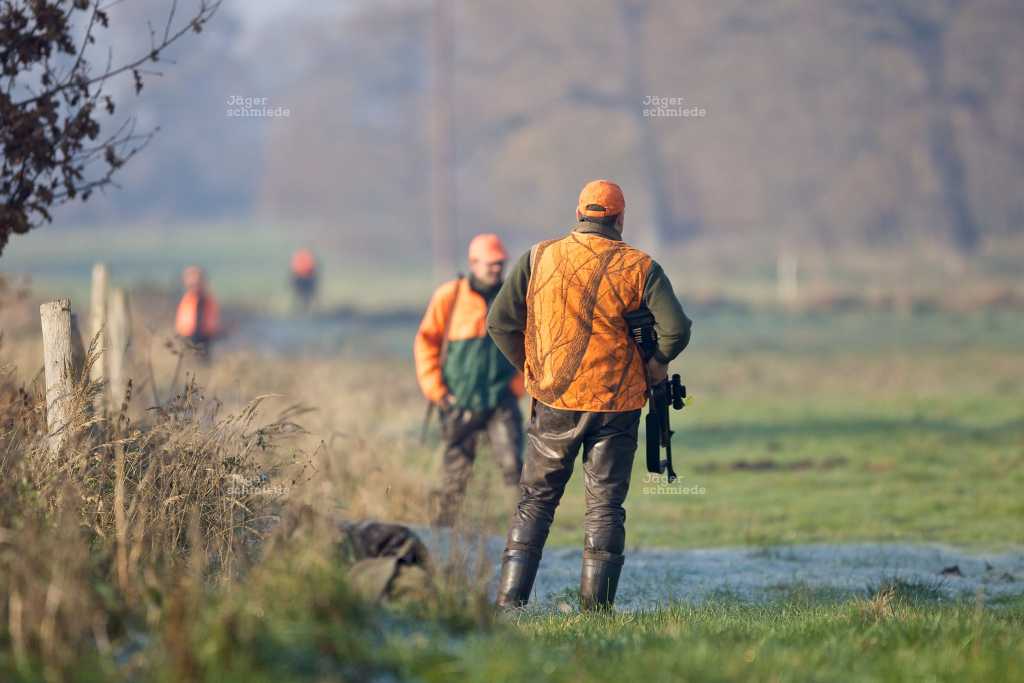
(869, 121)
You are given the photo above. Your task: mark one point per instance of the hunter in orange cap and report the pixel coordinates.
(304, 277)
(560, 317)
(463, 373)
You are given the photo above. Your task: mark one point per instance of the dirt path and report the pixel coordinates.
(652, 578)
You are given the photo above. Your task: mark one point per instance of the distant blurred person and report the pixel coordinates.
(463, 373)
(304, 278)
(198, 318)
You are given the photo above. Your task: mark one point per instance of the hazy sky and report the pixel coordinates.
(256, 15)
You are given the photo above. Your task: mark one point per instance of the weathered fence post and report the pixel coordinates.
(58, 369)
(119, 330)
(77, 350)
(98, 331)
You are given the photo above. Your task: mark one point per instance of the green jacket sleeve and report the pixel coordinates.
(671, 323)
(506, 321)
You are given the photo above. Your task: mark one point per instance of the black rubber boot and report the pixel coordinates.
(518, 570)
(598, 581)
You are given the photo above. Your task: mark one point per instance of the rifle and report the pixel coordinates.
(444, 356)
(661, 394)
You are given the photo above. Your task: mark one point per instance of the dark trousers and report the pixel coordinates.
(554, 438)
(460, 430)
(305, 289)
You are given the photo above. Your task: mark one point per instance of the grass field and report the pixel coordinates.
(294, 621)
(804, 428)
(849, 428)
(247, 262)
(895, 632)
(254, 272)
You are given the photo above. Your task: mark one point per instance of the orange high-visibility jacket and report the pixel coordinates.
(474, 371)
(579, 355)
(189, 315)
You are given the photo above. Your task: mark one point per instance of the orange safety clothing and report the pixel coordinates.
(198, 315)
(601, 198)
(579, 354)
(474, 370)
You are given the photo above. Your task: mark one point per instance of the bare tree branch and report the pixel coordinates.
(51, 143)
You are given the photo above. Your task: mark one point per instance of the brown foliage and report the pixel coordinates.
(49, 107)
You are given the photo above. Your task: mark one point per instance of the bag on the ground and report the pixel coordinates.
(389, 561)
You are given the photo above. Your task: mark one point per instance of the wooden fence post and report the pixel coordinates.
(58, 368)
(119, 329)
(77, 350)
(98, 330)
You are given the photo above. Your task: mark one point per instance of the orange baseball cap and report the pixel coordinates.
(601, 198)
(487, 247)
(303, 263)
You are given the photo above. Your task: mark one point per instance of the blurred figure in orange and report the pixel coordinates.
(304, 278)
(198, 318)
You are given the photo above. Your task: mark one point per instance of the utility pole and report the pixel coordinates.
(442, 162)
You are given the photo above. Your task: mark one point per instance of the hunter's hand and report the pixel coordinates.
(447, 402)
(657, 371)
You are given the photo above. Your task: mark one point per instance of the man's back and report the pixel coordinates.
(563, 326)
(578, 352)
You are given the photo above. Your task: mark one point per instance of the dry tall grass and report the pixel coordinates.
(115, 546)
(95, 542)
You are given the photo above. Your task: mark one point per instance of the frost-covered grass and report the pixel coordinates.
(295, 621)
(309, 631)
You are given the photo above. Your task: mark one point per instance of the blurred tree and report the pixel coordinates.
(634, 16)
(51, 98)
(921, 28)
(825, 124)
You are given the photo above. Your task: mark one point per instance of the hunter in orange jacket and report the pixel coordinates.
(198, 316)
(304, 278)
(461, 371)
(560, 317)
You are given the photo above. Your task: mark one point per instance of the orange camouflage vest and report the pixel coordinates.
(579, 355)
